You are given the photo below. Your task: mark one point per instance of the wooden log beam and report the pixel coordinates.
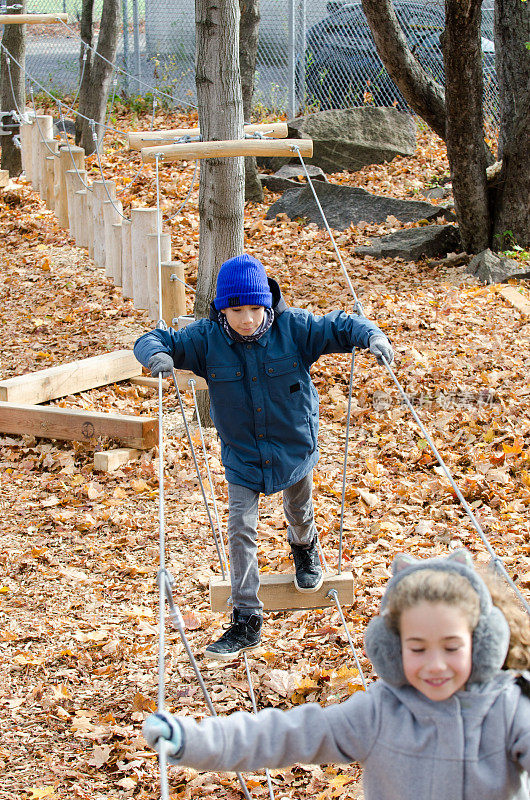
(50, 422)
(77, 376)
(183, 377)
(515, 299)
(278, 593)
(236, 147)
(32, 19)
(139, 139)
(109, 460)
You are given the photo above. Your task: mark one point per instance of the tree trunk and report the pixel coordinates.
(97, 76)
(221, 186)
(421, 92)
(12, 94)
(464, 125)
(512, 63)
(248, 48)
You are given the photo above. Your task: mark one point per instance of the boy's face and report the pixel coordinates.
(244, 320)
(436, 648)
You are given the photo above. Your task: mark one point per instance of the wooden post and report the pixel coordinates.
(81, 218)
(100, 194)
(48, 172)
(126, 260)
(44, 133)
(89, 219)
(111, 215)
(74, 184)
(173, 291)
(67, 155)
(143, 222)
(116, 251)
(26, 149)
(151, 249)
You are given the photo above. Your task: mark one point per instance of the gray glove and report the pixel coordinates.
(381, 348)
(161, 364)
(165, 726)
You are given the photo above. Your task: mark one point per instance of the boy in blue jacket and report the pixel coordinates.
(255, 354)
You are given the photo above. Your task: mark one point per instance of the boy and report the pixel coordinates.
(255, 353)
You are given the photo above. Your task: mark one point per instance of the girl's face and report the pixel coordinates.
(436, 647)
(245, 320)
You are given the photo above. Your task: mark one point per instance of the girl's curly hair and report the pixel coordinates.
(518, 656)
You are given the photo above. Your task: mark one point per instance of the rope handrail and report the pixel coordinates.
(497, 561)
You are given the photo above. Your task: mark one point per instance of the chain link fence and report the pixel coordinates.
(312, 54)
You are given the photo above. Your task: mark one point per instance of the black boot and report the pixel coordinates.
(308, 577)
(244, 633)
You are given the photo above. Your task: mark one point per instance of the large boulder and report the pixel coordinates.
(347, 205)
(351, 138)
(488, 267)
(414, 243)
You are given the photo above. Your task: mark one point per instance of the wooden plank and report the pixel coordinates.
(278, 593)
(77, 376)
(237, 147)
(139, 139)
(50, 422)
(32, 19)
(182, 375)
(512, 295)
(109, 460)
(4, 178)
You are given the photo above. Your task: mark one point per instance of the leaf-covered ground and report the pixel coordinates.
(79, 548)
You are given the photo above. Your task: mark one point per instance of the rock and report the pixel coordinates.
(436, 193)
(351, 138)
(488, 267)
(414, 243)
(60, 125)
(295, 170)
(285, 177)
(344, 205)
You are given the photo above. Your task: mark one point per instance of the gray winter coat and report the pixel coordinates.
(473, 746)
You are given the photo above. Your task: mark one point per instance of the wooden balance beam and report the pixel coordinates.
(50, 422)
(278, 593)
(32, 19)
(139, 139)
(237, 147)
(77, 376)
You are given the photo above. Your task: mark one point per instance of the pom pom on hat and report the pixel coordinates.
(242, 281)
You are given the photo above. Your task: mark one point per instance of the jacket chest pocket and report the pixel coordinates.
(283, 378)
(226, 385)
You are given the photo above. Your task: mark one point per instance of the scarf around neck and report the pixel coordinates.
(268, 319)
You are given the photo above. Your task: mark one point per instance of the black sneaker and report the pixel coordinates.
(308, 572)
(244, 633)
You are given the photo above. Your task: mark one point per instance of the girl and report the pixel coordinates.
(445, 722)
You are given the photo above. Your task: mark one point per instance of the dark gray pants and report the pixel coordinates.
(242, 535)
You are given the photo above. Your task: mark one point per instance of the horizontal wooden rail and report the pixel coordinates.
(76, 376)
(183, 378)
(32, 19)
(236, 147)
(139, 139)
(277, 592)
(51, 422)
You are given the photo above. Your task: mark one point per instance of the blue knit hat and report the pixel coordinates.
(242, 281)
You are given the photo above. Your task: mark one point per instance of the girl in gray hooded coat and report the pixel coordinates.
(445, 720)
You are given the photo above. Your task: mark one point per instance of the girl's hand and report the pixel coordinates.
(163, 725)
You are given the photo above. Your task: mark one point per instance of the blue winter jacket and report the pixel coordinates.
(263, 401)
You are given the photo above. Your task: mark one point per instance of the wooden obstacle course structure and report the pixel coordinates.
(278, 592)
(32, 19)
(228, 149)
(140, 139)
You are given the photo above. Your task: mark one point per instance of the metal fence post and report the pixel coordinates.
(291, 78)
(136, 36)
(125, 17)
